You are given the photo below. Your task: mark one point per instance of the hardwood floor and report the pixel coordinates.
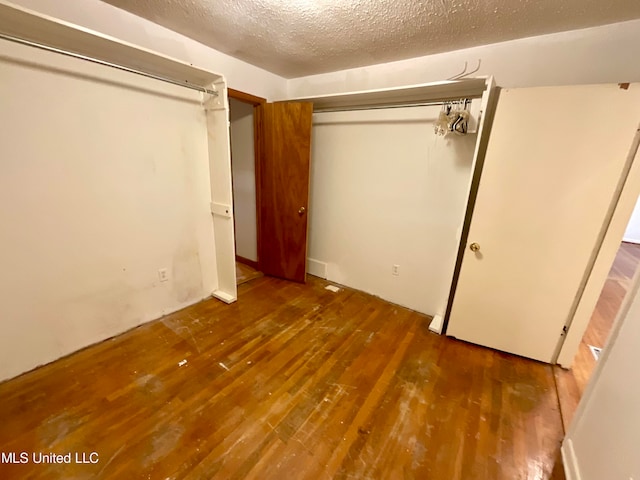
(572, 383)
(245, 273)
(292, 381)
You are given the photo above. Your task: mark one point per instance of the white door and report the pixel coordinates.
(553, 163)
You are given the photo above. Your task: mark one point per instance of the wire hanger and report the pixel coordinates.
(464, 72)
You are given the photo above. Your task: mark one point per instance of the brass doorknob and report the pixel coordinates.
(474, 247)
(301, 211)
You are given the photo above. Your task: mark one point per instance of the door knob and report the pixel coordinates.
(301, 211)
(474, 247)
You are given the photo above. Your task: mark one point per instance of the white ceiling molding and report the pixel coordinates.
(295, 38)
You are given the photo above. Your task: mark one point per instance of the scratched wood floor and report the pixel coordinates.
(291, 382)
(245, 273)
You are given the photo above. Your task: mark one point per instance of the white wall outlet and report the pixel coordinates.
(395, 270)
(163, 274)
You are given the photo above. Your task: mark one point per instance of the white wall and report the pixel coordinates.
(104, 180)
(603, 439)
(123, 25)
(244, 178)
(632, 234)
(386, 190)
(606, 54)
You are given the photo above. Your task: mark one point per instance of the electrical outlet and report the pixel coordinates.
(395, 270)
(163, 274)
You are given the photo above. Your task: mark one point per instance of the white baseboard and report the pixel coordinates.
(631, 240)
(436, 324)
(316, 268)
(569, 460)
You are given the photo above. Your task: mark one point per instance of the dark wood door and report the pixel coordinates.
(283, 188)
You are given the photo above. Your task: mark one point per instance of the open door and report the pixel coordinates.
(283, 188)
(553, 172)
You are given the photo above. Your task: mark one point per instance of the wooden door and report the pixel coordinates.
(283, 188)
(554, 163)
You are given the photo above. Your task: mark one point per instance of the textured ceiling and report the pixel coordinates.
(301, 37)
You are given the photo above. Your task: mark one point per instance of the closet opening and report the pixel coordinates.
(390, 185)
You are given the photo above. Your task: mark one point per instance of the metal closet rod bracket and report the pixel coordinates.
(213, 102)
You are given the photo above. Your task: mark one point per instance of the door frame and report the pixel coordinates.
(258, 135)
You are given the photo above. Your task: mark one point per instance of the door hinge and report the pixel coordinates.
(564, 331)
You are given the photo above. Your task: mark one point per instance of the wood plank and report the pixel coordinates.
(292, 381)
(245, 272)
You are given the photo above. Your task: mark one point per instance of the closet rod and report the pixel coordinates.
(380, 107)
(107, 64)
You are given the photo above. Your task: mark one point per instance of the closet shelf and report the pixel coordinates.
(427, 92)
(25, 24)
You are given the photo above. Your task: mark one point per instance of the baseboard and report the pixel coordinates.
(316, 268)
(436, 324)
(246, 261)
(631, 240)
(569, 460)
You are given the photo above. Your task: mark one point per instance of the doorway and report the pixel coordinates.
(244, 151)
(573, 382)
(271, 183)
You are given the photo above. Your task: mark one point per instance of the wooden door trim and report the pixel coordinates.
(258, 149)
(245, 97)
(246, 261)
(258, 135)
